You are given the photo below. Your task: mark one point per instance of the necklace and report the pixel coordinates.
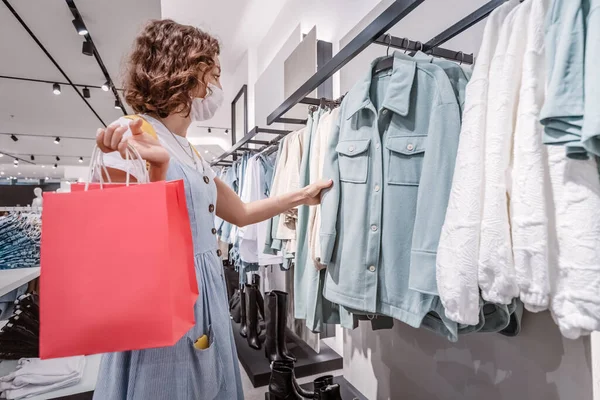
(192, 154)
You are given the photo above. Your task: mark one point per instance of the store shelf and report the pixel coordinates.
(87, 383)
(10, 279)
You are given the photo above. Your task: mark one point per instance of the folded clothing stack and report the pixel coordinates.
(34, 376)
(20, 337)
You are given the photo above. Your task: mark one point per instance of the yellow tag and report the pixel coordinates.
(201, 343)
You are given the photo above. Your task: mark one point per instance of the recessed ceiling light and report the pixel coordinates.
(43, 166)
(106, 86)
(1, 155)
(205, 151)
(57, 140)
(2, 173)
(56, 89)
(19, 173)
(80, 27)
(47, 178)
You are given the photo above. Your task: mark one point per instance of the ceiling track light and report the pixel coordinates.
(57, 140)
(55, 166)
(80, 159)
(32, 157)
(209, 130)
(117, 105)
(226, 131)
(56, 89)
(80, 27)
(106, 86)
(57, 158)
(14, 138)
(86, 93)
(87, 48)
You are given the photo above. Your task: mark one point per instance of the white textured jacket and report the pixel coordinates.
(458, 251)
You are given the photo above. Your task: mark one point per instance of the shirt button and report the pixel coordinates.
(384, 112)
(219, 252)
(410, 147)
(372, 268)
(214, 231)
(206, 180)
(211, 208)
(374, 228)
(377, 188)
(351, 149)
(377, 146)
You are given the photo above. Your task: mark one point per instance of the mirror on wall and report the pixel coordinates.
(239, 115)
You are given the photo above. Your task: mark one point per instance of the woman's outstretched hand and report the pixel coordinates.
(312, 192)
(111, 139)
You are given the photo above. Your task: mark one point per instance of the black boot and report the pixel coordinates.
(243, 327)
(275, 347)
(321, 382)
(252, 317)
(259, 299)
(290, 365)
(330, 392)
(281, 384)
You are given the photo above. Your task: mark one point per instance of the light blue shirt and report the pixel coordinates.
(391, 157)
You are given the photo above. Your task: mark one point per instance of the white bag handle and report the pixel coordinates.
(131, 154)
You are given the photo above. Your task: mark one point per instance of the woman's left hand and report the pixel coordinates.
(312, 192)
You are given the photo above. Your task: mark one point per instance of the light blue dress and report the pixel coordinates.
(181, 372)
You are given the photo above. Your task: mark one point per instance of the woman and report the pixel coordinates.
(172, 80)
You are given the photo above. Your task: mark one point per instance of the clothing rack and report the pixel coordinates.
(241, 145)
(375, 32)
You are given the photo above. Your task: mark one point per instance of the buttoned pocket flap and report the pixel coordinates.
(406, 155)
(407, 145)
(352, 148)
(353, 160)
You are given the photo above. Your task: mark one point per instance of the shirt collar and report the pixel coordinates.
(397, 97)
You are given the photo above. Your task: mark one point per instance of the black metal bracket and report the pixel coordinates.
(240, 146)
(413, 46)
(394, 13)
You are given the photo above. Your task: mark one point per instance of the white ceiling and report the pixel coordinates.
(30, 108)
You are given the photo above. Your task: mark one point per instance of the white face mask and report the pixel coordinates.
(205, 108)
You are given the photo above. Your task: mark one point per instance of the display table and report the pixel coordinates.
(10, 279)
(87, 383)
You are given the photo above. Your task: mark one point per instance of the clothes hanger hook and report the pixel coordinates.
(405, 46)
(462, 57)
(387, 52)
(420, 45)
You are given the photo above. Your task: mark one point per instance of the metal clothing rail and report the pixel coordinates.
(375, 33)
(241, 145)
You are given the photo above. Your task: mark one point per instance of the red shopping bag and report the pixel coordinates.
(117, 270)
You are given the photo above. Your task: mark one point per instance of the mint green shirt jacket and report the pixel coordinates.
(391, 157)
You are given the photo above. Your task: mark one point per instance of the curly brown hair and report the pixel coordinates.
(168, 62)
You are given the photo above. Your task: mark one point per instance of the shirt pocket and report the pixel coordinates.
(405, 159)
(353, 159)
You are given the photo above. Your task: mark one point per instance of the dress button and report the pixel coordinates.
(384, 112)
(214, 231)
(219, 252)
(377, 188)
(374, 228)
(351, 148)
(410, 147)
(206, 180)
(211, 208)
(377, 146)
(372, 268)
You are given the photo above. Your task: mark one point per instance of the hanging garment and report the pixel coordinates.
(458, 250)
(576, 280)
(563, 111)
(497, 275)
(590, 132)
(317, 159)
(529, 193)
(272, 245)
(181, 372)
(386, 207)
